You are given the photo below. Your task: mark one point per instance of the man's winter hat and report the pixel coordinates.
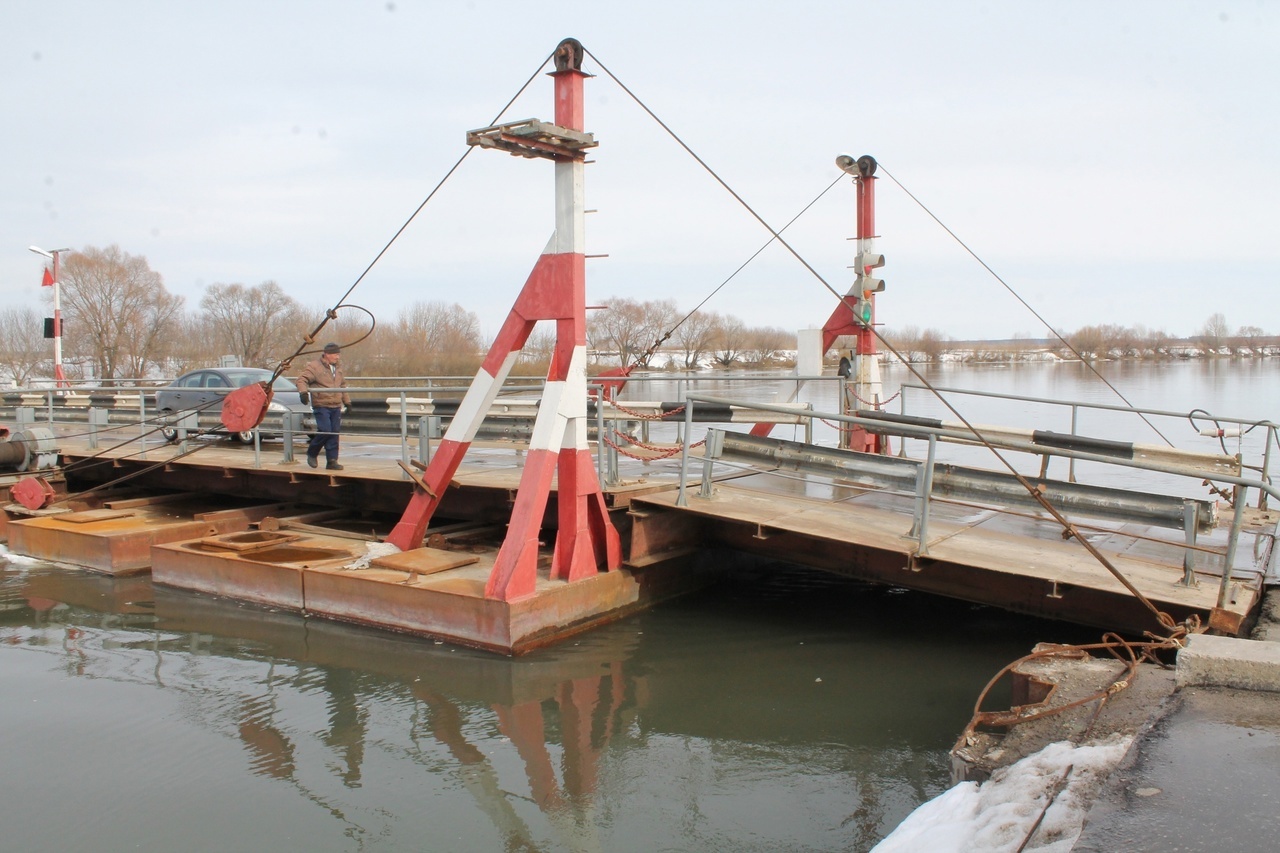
(332, 348)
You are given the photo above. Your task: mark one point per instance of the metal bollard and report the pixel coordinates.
(287, 422)
(188, 422)
(424, 440)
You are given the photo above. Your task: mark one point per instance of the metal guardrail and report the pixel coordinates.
(415, 415)
(1242, 426)
(922, 483)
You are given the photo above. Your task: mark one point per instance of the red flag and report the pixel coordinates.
(48, 278)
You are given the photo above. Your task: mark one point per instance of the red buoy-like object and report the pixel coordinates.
(244, 408)
(32, 492)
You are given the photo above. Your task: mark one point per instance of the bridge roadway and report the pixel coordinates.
(1008, 559)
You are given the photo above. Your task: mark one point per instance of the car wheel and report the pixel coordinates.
(167, 430)
(245, 437)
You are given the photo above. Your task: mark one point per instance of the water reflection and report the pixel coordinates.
(808, 713)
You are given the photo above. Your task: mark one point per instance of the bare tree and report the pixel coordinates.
(195, 345)
(933, 344)
(1251, 337)
(631, 328)
(694, 337)
(430, 338)
(119, 308)
(729, 340)
(1214, 331)
(23, 348)
(764, 343)
(256, 323)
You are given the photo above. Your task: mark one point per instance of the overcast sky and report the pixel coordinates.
(1113, 162)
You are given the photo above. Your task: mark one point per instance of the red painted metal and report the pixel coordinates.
(244, 408)
(555, 290)
(843, 321)
(33, 492)
(609, 387)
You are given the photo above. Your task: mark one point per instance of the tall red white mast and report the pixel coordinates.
(586, 540)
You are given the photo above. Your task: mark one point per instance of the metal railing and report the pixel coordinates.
(923, 472)
(1239, 429)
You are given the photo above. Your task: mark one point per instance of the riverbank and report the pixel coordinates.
(1170, 758)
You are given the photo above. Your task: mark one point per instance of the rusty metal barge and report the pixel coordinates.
(538, 515)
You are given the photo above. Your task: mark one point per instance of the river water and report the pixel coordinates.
(785, 710)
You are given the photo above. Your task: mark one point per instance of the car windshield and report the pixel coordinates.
(245, 376)
(241, 378)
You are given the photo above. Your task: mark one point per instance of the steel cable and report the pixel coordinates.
(1163, 619)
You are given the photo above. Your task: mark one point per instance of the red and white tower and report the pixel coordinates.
(52, 279)
(586, 540)
(855, 315)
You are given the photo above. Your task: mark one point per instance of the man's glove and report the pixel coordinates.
(304, 397)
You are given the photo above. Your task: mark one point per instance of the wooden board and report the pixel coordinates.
(425, 561)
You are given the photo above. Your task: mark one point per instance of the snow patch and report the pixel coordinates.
(999, 814)
(17, 559)
(372, 551)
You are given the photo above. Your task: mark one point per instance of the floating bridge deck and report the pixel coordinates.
(229, 522)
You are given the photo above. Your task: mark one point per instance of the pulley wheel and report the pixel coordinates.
(32, 492)
(244, 408)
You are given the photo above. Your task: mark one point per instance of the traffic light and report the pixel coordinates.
(864, 285)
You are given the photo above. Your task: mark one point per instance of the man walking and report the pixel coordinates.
(328, 402)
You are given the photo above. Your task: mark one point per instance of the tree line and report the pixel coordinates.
(121, 322)
(125, 324)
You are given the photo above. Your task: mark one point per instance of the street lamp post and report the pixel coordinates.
(58, 373)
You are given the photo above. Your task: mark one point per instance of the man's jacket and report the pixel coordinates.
(318, 375)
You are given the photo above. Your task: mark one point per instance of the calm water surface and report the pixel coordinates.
(783, 710)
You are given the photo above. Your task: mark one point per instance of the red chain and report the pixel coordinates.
(875, 405)
(661, 452)
(642, 416)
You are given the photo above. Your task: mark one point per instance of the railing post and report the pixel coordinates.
(142, 422)
(924, 489)
(1071, 463)
(681, 499)
(257, 447)
(287, 420)
(1237, 520)
(404, 434)
(1189, 518)
(187, 422)
(600, 466)
(424, 440)
(50, 405)
(1266, 467)
(710, 453)
(95, 419)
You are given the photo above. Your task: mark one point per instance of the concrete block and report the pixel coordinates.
(1210, 661)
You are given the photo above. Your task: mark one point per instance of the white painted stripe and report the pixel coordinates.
(549, 426)
(479, 397)
(570, 204)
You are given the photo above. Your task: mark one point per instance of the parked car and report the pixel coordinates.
(203, 390)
